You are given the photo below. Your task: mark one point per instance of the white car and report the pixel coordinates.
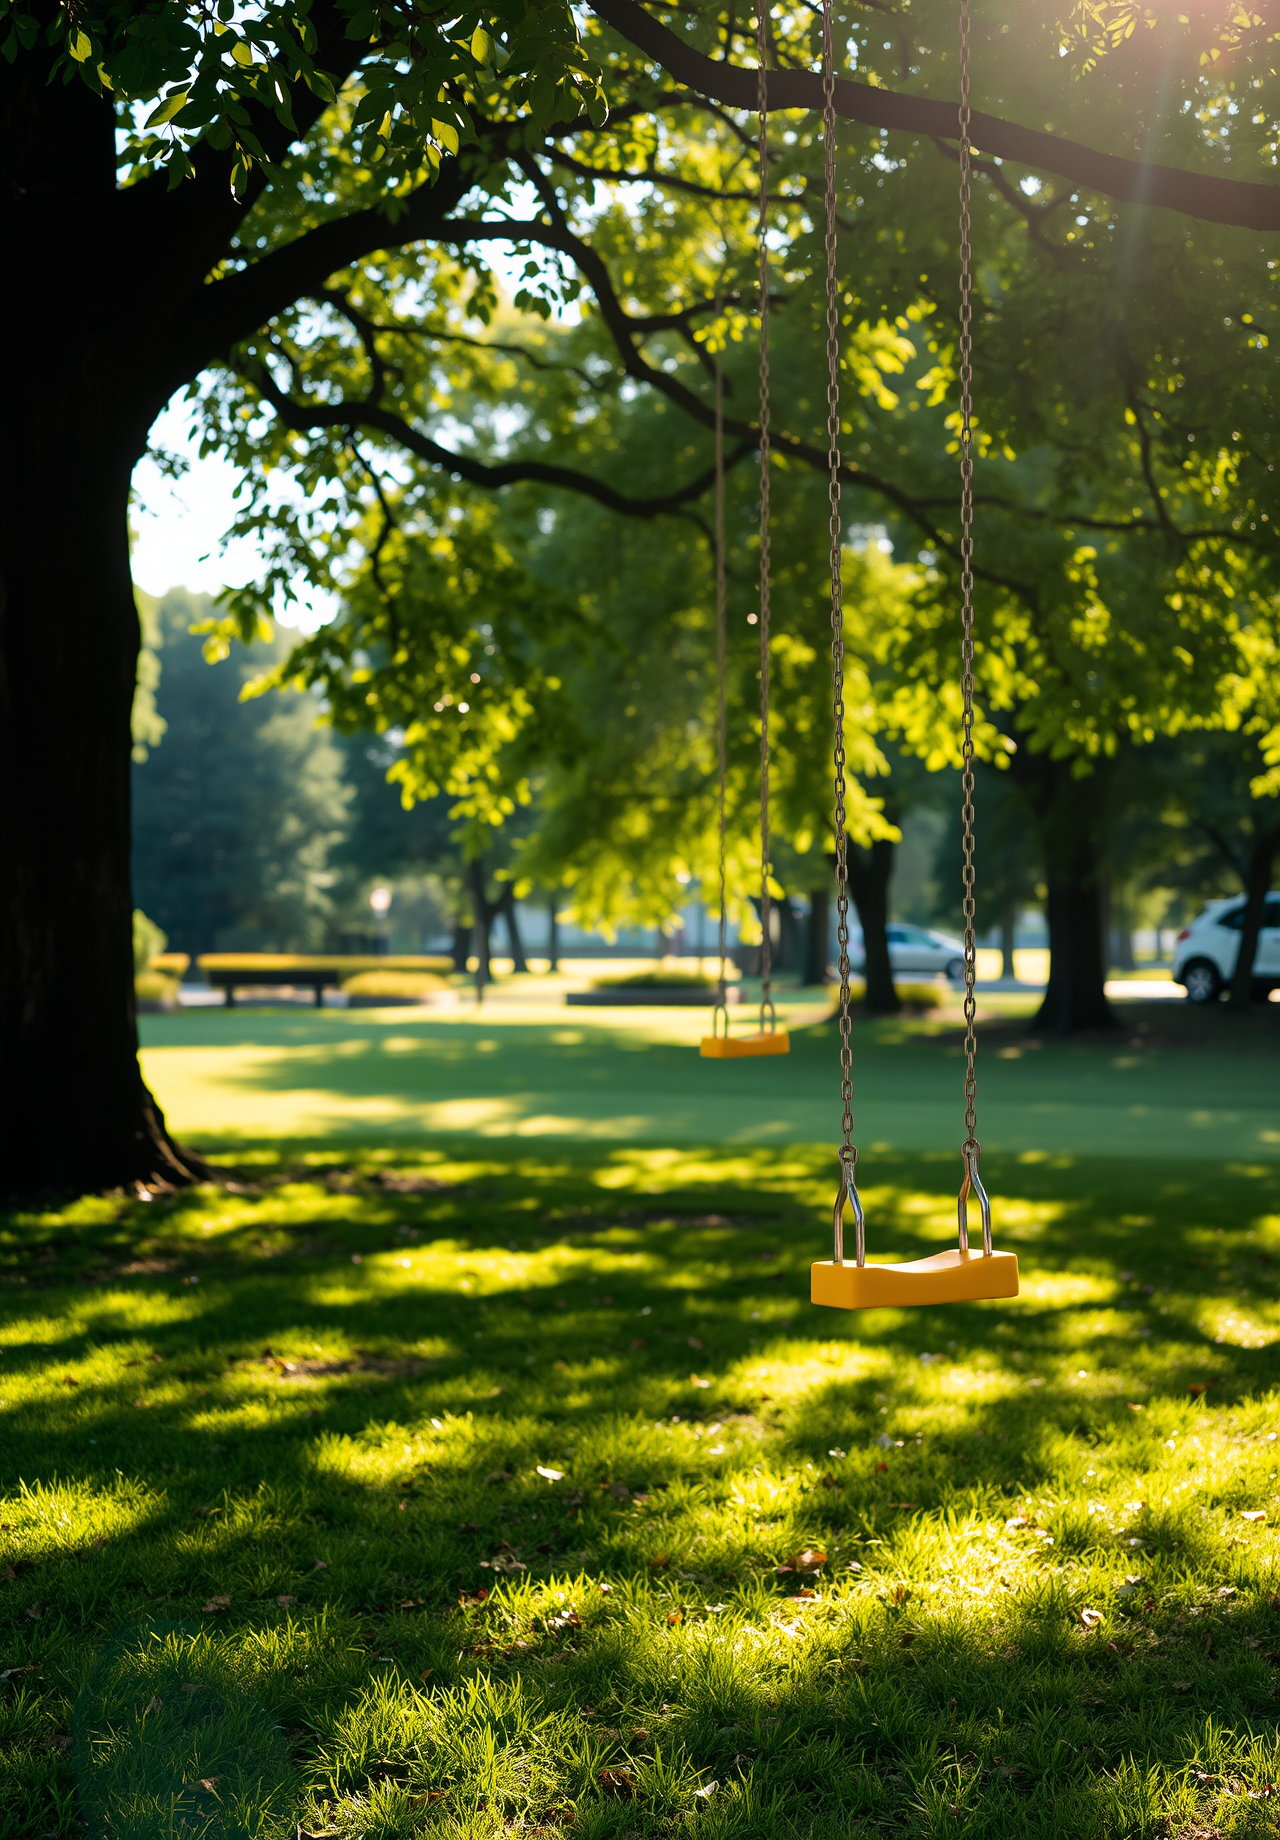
(1204, 958)
(914, 948)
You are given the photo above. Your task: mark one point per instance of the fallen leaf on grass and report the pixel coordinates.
(35, 1611)
(695, 1380)
(153, 1706)
(658, 1561)
(1091, 1618)
(693, 1342)
(1134, 1408)
(617, 1782)
(70, 1380)
(882, 1466)
(707, 1789)
(1253, 1514)
(550, 1475)
(321, 1565)
(284, 1600)
(674, 1617)
(216, 1603)
(1180, 1686)
(809, 1559)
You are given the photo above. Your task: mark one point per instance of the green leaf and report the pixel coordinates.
(481, 46)
(79, 44)
(171, 106)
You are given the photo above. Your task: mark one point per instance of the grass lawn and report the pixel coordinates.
(473, 1485)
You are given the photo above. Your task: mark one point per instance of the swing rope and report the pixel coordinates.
(951, 1276)
(766, 915)
(848, 1192)
(971, 1149)
(722, 994)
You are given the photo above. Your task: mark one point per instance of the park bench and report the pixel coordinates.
(232, 971)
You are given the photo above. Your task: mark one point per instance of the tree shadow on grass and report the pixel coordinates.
(239, 1490)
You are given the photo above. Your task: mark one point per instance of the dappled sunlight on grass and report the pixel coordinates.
(473, 1490)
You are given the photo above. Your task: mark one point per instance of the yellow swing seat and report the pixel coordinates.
(726, 1047)
(954, 1276)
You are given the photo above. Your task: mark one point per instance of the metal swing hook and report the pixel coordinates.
(721, 1009)
(769, 1027)
(971, 1151)
(848, 1195)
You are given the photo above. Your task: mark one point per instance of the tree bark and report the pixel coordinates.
(1070, 815)
(870, 871)
(816, 960)
(1262, 855)
(553, 936)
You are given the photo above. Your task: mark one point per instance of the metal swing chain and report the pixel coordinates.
(721, 745)
(971, 1149)
(766, 914)
(848, 1193)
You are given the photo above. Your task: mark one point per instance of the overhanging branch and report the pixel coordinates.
(1242, 202)
(305, 418)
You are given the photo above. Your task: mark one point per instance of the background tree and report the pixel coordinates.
(241, 808)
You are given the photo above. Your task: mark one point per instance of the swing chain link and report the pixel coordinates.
(970, 1149)
(766, 915)
(847, 1192)
(722, 998)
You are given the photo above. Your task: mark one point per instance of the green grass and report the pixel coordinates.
(1181, 1084)
(449, 1487)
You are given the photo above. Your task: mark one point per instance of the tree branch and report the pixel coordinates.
(305, 417)
(1242, 202)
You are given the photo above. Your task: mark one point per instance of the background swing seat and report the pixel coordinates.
(744, 1047)
(945, 1277)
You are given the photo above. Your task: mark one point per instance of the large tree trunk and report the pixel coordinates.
(1262, 854)
(1070, 815)
(870, 871)
(817, 940)
(74, 1111)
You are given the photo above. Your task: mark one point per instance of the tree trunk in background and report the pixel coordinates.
(507, 908)
(817, 939)
(553, 937)
(483, 911)
(870, 871)
(463, 936)
(1122, 934)
(1008, 928)
(1070, 815)
(788, 954)
(1266, 844)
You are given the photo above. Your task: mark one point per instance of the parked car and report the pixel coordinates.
(1204, 958)
(915, 948)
